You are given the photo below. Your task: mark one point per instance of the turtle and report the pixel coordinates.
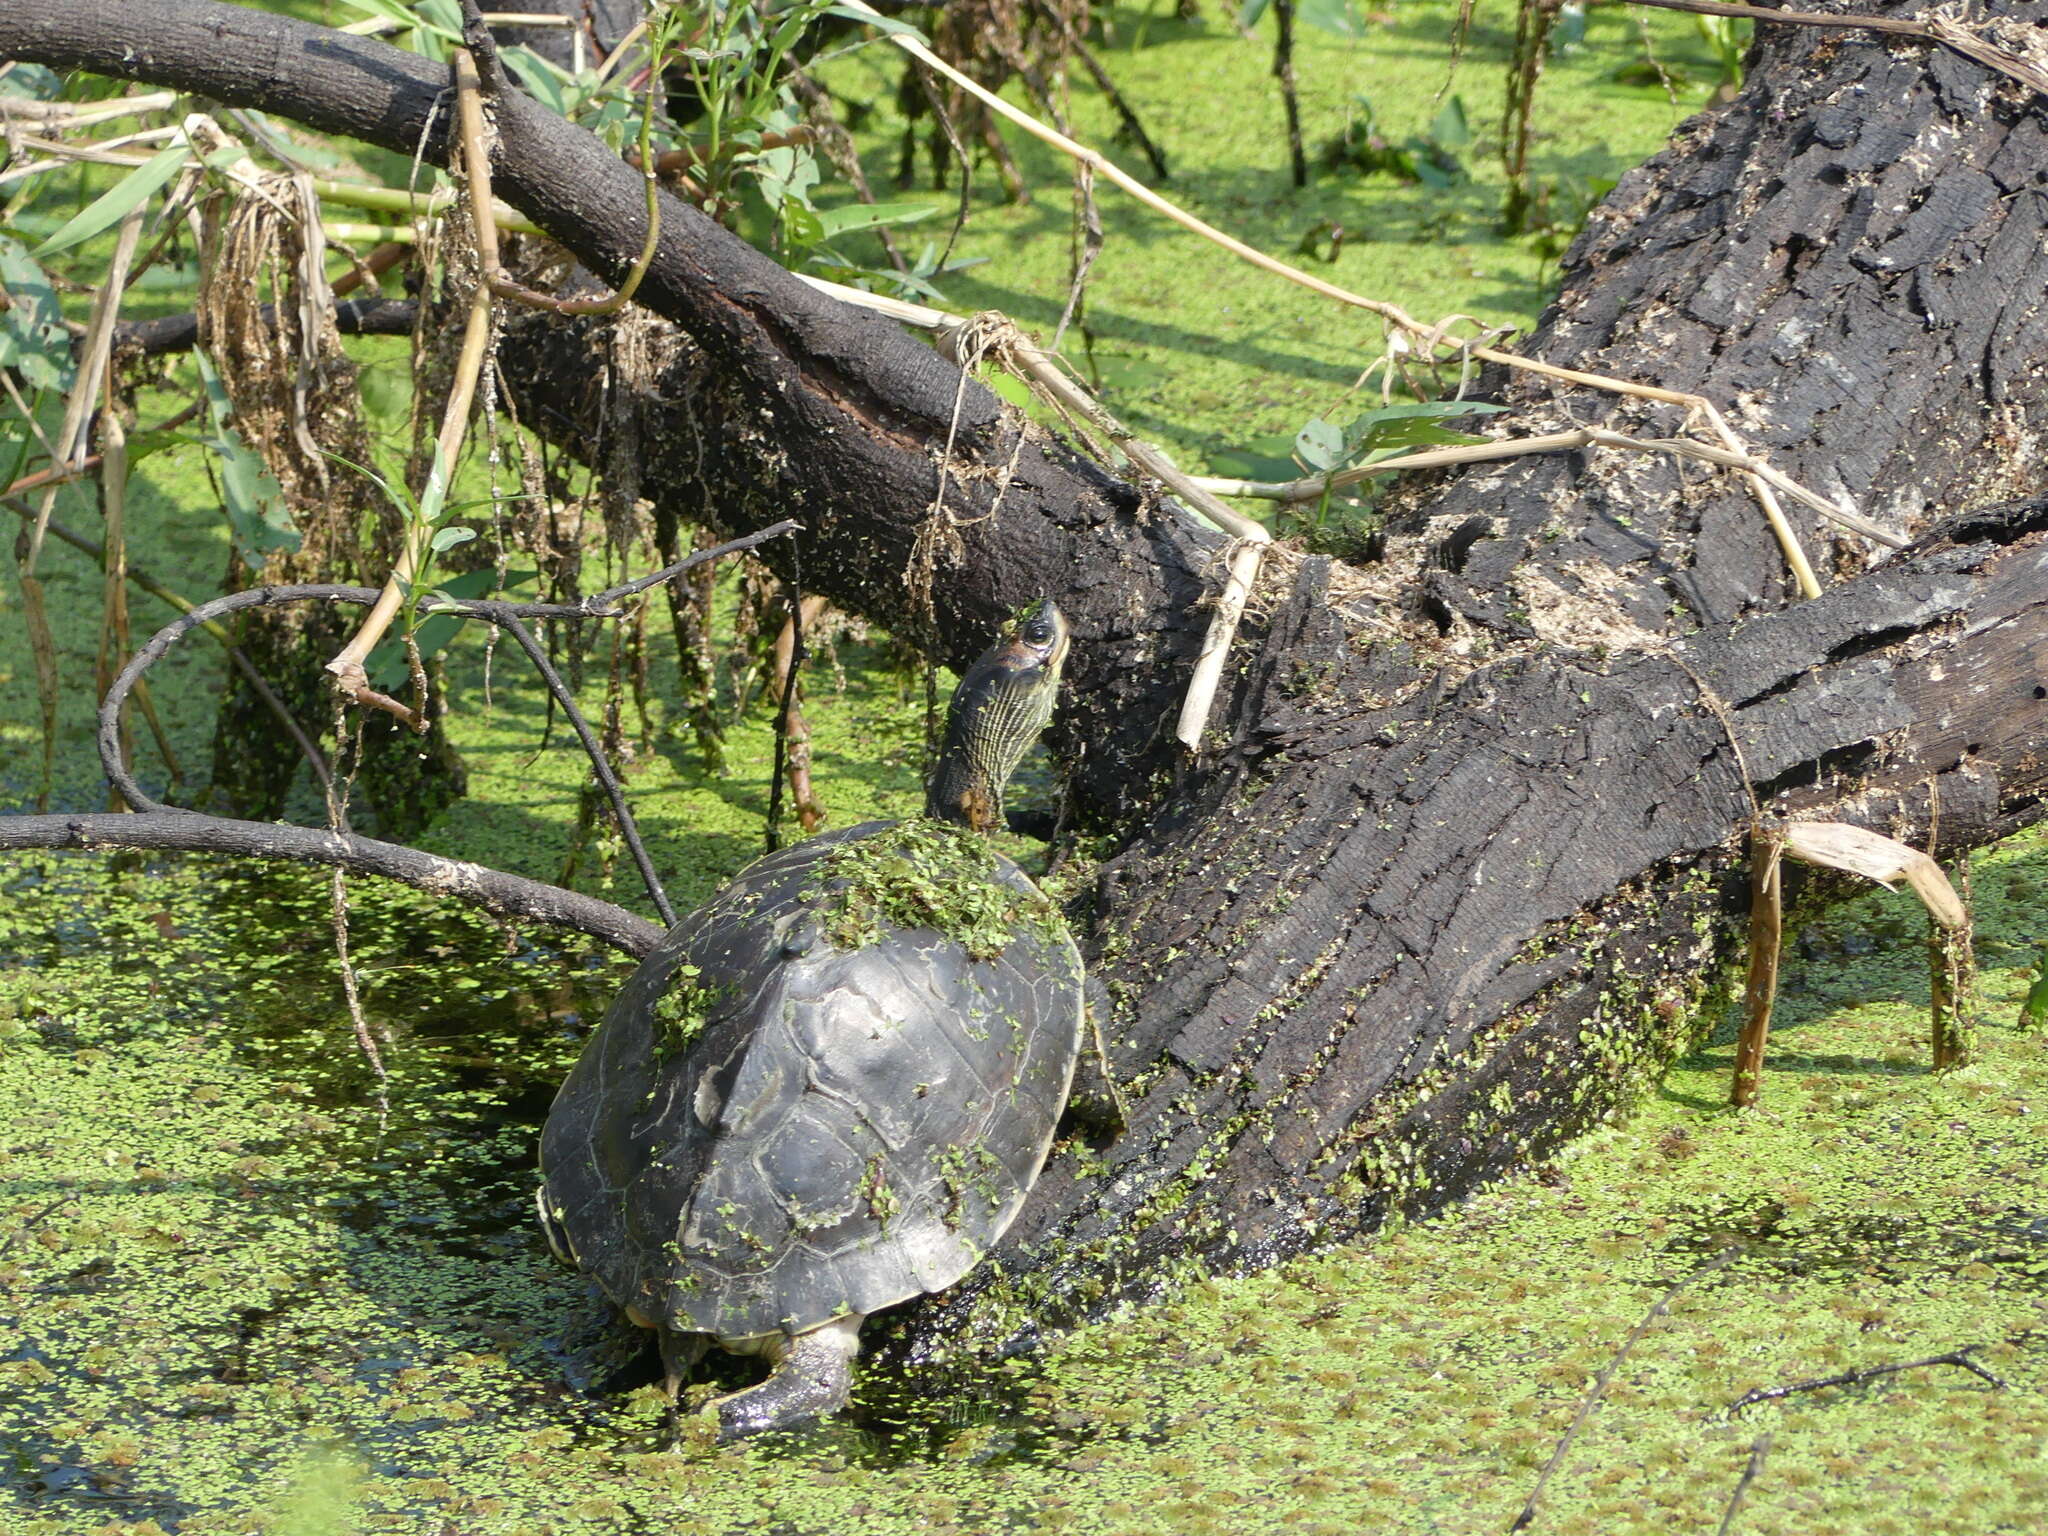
(829, 1089)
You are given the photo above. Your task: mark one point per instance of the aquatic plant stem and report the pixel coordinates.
(1952, 972)
(1758, 1450)
(500, 614)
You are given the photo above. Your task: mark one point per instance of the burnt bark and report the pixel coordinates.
(1461, 862)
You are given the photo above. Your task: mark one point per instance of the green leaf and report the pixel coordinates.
(539, 78)
(1262, 458)
(119, 200)
(33, 341)
(32, 82)
(786, 176)
(480, 583)
(394, 494)
(1249, 16)
(434, 494)
(857, 216)
(445, 14)
(1452, 129)
(446, 539)
(258, 519)
(1320, 444)
(801, 227)
(880, 23)
(387, 666)
(1336, 17)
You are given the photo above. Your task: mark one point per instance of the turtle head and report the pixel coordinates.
(1002, 703)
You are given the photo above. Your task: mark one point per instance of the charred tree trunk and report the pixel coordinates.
(1459, 865)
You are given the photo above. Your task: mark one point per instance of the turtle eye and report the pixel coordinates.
(1037, 632)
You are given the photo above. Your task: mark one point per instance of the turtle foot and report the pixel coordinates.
(813, 1377)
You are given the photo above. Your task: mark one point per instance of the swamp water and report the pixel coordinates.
(239, 1297)
(235, 1296)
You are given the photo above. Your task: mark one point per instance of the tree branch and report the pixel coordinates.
(190, 832)
(157, 826)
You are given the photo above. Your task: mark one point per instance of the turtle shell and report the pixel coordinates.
(825, 1092)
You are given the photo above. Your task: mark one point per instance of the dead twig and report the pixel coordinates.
(1959, 1358)
(476, 155)
(1432, 338)
(348, 665)
(785, 690)
(1758, 1450)
(31, 1221)
(1607, 1372)
(1952, 967)
(1766, 909)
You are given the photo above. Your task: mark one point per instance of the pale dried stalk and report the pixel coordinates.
(61, 154)
(1837, 845)
(377, 26)
(1315, 487)
(1433, 337)
(93, 351)
(350, 194)
(65, 114)
(348, 664)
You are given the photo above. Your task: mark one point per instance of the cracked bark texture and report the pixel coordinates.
(1461, 858)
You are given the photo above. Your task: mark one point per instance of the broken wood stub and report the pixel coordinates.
(1766, 920)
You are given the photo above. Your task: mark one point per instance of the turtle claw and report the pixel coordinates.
(813, 1378)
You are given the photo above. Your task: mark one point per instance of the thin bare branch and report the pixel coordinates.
(1959, 1358)
(1601, 1382)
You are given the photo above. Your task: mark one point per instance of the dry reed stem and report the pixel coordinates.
(1856, 851)
(348, 663)
(1393, 315)
(1760, 993)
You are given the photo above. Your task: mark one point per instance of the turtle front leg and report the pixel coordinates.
(811, 1375)
(680, 1355)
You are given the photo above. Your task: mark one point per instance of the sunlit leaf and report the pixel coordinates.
(802, 227)
(119, 200)
(1320, 444)
(1451, 128)
(539, 77)
(387, 665)
(888, 24)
